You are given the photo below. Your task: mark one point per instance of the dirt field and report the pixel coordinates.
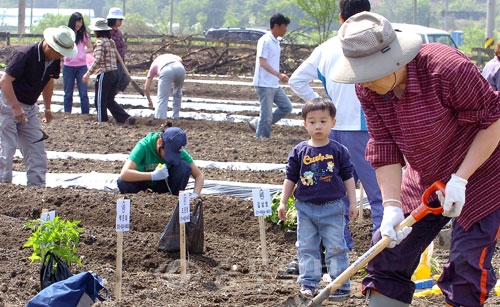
(229, 273)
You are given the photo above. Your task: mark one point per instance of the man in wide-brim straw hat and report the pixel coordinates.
(31, 71)
(427, 108)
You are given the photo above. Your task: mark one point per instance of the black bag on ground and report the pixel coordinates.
(53, 269)
(195, 236)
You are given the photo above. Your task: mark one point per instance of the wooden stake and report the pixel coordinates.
(361, 202)
(182, 235)
(263, 244)
(119, 257)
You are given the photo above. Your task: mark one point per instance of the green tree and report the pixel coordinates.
(51, 20)
(136, 24)
(320, 15)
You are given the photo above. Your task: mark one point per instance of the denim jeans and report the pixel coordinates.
(70, 74)
(316, 224)
(355, 141)
(267, 97)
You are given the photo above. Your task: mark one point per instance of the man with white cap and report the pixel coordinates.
(31, 71)
(427, 108)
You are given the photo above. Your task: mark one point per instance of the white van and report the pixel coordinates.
(429, 35)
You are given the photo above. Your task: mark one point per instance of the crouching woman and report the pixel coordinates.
(159, 163)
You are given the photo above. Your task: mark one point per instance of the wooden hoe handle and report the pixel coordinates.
(415, 216)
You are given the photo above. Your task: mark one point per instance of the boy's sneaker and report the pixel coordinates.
(339, 295)
(307, 290)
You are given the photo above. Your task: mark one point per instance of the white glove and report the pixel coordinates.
(193, 195)
(393, 216)
(160, 173)
(454, 198)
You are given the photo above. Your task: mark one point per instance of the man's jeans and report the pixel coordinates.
(355, 141)
(267, 97)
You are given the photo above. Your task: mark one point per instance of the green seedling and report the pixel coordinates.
(291, 213)
(59, 236)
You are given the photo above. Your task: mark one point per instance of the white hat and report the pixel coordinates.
(372, 49)
(115, 13)
(62, 40)
(99, 24)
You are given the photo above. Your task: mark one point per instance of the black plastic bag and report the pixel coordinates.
(53, 269)
(195, 236)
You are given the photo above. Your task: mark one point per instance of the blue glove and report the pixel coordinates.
(160, 173)
(193, 195)
(392, 217)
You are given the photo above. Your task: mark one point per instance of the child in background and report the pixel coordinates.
(105, 65)
(321, 172)
(75, 68)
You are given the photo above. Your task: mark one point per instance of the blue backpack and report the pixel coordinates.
(79, 290)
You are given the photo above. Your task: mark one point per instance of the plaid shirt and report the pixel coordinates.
(445, 104)
(104, 56)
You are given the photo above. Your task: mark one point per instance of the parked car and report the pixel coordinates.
(429, 35)
(230, 35)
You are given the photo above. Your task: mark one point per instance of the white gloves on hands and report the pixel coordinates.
(160, 173)
(454, 198)
(393, 216)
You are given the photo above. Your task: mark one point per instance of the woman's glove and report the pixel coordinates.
(160, 173)
(393, 216)
(454, 198)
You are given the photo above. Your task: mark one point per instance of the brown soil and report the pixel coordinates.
(229, 273)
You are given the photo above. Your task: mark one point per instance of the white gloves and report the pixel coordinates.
(454, 198)
(393, 216)
(160, 173)
(193, 195)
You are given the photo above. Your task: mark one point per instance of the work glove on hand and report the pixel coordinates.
(160, 173)
(392, 217)
(454, 198)
(193, 195)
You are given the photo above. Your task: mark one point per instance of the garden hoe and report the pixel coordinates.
(134, 84)
(44, 136)
(414, 217)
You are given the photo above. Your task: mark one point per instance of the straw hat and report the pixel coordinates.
(372, 49)
(62, 40)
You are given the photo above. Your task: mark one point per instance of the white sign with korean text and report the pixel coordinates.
(48, 216)
(123, 215)
(184, 208)
(261, 202)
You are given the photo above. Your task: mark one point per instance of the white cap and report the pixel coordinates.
(115, 13)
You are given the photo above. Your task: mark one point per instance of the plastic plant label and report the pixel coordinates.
(48, 216)
(184, 208)
(123, 215)
(261, 202)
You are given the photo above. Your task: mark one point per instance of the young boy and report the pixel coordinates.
(322, 172)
